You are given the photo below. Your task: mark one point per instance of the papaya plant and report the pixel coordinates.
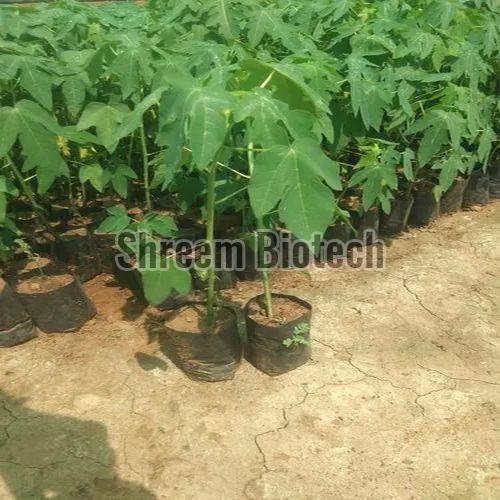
(108, 105)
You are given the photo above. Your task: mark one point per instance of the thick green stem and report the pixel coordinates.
(145, 163)
(210, 206)
(266, 283)
(30, 195)
(260, 223)
(267, 294)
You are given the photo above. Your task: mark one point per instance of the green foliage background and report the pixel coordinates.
(329, 97)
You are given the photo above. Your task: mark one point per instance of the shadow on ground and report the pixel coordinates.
(50, 456)
(149, 363)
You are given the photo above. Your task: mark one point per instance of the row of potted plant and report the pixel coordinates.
(293, 115)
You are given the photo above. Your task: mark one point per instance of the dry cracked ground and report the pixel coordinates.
(400, 399)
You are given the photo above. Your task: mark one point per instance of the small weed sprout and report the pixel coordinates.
(297, 337)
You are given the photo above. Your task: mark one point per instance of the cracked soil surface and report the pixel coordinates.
(400, 399)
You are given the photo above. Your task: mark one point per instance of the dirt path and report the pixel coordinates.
(401, 399)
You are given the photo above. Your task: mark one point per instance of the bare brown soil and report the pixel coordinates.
(44, 284)
(284, 311)
(31, 267)
(192, 319)
(400, 400)
(79, 222)
(35, 265)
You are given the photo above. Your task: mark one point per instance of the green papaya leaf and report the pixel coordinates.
(128, 66)
(162, 225)
(485, 144)
(47, 173)
(134, 119)
(269, 179)
(74, 91)
(36, 82)
(221, 14)
(405, 91)
(6, 186)
(9, 66)
(431, 143)
(31, 112)
(267, 115)
(120, 176)
(117, 221)
(105, 118)
(449, 169)
(408, 156)
(208, 114)
(376, 174)
(292, 177)
(160, 283)
(96, 175)
(268, 21)
(9, 129)
(3, 207)
(40, 147)
(287, 85)
(307, 207)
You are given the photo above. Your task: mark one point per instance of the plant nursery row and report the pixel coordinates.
(220, 119)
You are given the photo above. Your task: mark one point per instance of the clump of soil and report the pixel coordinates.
(36, 265)
(192, 319)
(26, 268)
(352, 202)
(284, 311)
(80, 221)
(44, 284)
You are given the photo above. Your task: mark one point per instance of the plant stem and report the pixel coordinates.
(30, 195)
(210, 241)
(130, 149)
(70, 194)
(84, 193)
(224, 165)
(264, 84)
(266, 283)
(13, 94)
(146, 168)
(232, 195)
(260, 223)
(244, 150)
